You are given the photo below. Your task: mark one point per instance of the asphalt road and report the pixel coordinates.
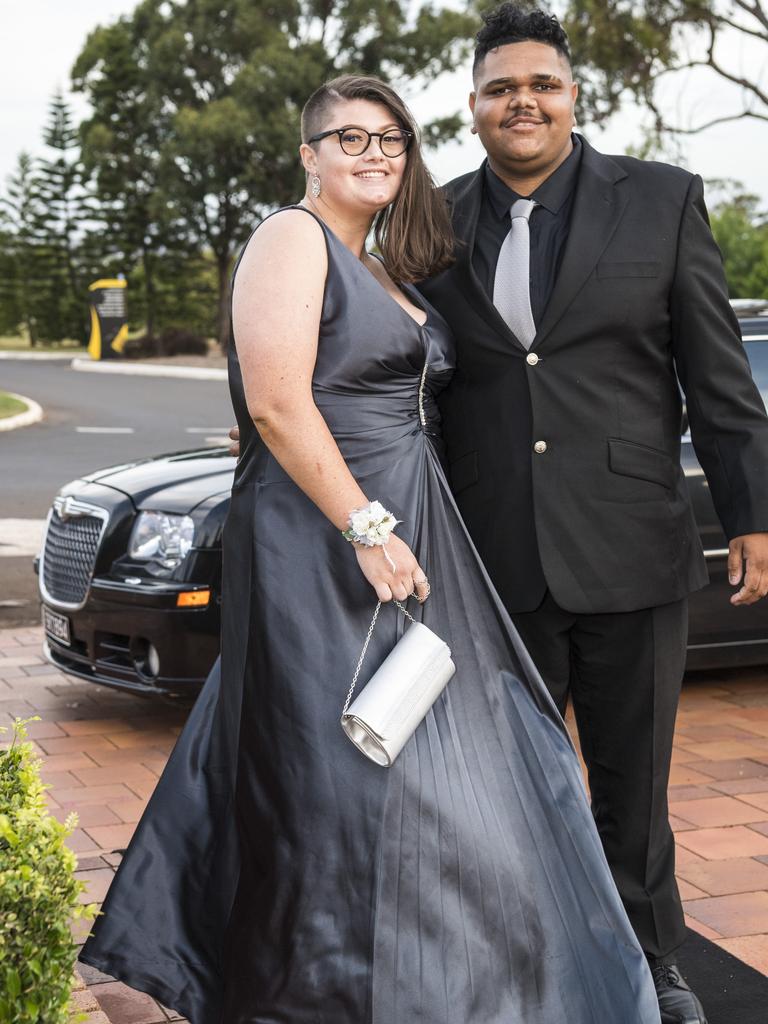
(157, 414)
(83, 411)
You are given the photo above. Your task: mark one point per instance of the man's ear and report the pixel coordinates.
(472, 101)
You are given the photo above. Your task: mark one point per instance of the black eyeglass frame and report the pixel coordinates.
(371, 135)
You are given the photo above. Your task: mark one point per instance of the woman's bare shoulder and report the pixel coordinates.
(289, 238)
(284, 265)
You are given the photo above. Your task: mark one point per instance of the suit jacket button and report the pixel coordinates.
(531, 359)
(540, 447)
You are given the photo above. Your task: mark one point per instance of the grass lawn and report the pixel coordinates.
(17, 344)
(10, 406)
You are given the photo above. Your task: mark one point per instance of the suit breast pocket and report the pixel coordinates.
(628, 268)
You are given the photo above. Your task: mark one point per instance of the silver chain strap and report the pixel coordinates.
(371, 628)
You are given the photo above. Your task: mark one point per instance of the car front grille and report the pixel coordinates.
(69, 553)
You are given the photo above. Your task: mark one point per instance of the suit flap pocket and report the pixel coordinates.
(463, 472)
(629, 268)
(631, 459)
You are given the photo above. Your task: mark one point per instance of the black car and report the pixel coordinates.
(130, 571)
(720, 635)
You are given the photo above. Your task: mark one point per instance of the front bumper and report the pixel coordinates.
(111, 635)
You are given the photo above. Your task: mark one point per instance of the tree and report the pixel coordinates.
(196, 106)
(26, 263)
(65, 209)
(644, 47)
(47, 256)
(741, 231)
(11, 313)
(121, 143)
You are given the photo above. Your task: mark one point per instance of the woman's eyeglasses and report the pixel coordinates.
(355, 141)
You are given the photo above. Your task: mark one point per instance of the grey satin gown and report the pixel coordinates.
(277, 875)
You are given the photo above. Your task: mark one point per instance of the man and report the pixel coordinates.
(562, 427)
(575, 312)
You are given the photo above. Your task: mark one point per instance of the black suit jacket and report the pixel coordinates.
(602, 516)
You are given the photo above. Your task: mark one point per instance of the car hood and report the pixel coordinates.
(171, 483)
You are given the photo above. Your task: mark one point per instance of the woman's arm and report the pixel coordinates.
(277, 304)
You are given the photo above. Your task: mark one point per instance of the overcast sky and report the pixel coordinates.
(41, 39)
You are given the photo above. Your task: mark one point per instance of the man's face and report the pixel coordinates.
(523, 107)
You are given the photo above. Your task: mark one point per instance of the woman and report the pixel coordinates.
(277, 874)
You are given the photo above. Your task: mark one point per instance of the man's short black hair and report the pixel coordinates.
(514, 23)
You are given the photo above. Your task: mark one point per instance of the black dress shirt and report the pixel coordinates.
(549, 225)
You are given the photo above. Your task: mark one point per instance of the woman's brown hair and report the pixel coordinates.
(413, 233)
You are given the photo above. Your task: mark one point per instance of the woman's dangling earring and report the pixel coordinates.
(314, 186)
(473, 129)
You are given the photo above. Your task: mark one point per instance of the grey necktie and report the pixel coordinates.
(511, 285)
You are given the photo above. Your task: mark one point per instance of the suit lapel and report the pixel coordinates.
(466, 211)
(597, 209)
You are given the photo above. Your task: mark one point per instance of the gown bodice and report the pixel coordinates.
(377, 375)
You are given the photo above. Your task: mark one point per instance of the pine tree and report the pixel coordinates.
(26, 261)
(67, 207)
(52, 246)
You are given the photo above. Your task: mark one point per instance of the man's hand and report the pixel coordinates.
(752, 548)
(234, 436)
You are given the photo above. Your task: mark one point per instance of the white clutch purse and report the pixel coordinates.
(387, 712)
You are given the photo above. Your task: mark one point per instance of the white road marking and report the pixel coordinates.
(104, 430)
(20, 538)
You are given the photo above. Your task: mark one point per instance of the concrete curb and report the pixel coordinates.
(40, 356)
(33, 414)
(147, 370)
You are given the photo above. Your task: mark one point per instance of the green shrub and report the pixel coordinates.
(172, 341)
(145, 346)
(180, 341)
(38, 894)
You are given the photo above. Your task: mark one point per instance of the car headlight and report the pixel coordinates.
(162, 538)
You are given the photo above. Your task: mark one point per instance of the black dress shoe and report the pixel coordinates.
(677, 1003)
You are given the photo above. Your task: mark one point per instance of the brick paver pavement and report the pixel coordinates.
(104, 750)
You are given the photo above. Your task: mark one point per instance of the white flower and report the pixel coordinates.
(371, 525)
(361, 522)
(386, 526)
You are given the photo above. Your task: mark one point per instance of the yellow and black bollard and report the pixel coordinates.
(109, 318)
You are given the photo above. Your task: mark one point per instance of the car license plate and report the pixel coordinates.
(56, 626)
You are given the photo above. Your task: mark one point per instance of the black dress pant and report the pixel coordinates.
(622, 672)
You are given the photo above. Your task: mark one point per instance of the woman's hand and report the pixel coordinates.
(407, 578)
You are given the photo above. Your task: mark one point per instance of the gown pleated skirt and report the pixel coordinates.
(279, 876)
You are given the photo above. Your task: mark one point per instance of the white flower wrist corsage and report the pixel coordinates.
(371, 527)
